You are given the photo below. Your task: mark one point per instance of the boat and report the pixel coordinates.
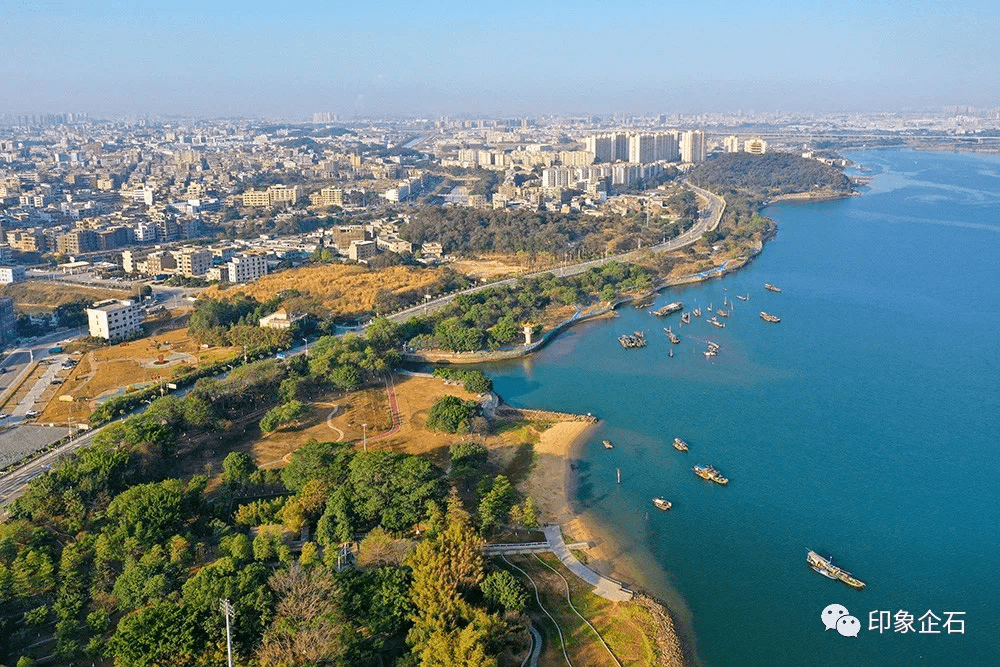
(632, 341)
(671, 352)
(772, 288)
(826, 567)
(607, 444)
(710, 353)
(713, 346)
(715, 322)
(721, 312)
(686, 318)
(662, 504)
(671, 335)
(743, 298)
(711, 474)
(672, 307)
(767, 317)
(680, 445)
(697, 312)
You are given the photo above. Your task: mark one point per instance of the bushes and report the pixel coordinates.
(474, 381)
(452, 415)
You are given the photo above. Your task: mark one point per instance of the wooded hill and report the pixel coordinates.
(769, 175)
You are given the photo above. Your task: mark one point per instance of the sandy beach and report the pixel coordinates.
(550, 485)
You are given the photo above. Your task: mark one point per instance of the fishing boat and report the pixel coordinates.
(607, 444)
(671, 355)
(662, 504)
(686, 318)
(743, 298)
(715, 322)
(722, 313)
(772, 288)
(680, 445)
(767, 317)
(711, 474)
(697, 312)
(672, 307)
(671, 335)
(826, 567)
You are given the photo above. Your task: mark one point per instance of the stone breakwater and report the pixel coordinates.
(507, 412)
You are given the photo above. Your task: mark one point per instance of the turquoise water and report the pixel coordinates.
(863, 425)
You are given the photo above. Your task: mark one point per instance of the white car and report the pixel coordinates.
(31, 413)
(4, 416)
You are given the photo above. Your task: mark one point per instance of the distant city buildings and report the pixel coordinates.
(755, 146)
(11, 274)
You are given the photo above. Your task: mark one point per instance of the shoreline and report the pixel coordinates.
(551, 485)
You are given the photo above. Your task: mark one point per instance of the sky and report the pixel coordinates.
(428, 58)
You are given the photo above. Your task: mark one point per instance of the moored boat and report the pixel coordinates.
(743, 298)
(711, 474)
(826, 567)
(672, 307)
(680, 445)
(662, 504)
(767, 317)
(772, 288)
(607, 444)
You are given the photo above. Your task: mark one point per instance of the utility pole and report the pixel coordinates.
(227, 609)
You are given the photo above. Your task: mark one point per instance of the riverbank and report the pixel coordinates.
(551, 484)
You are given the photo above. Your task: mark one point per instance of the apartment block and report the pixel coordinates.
(246, 267)
(327, 197)
(193, 262)
(360, 250)
(114, 319)
(8, 321)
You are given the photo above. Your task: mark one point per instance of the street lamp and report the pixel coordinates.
(364, 435)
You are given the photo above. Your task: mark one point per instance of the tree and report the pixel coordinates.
(164, 632)
(283, 414)
(452, 415)
(150, 512)
(237, 468)
(495, 504)
(317, 460)
(503, 589)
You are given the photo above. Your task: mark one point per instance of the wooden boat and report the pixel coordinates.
(772, 288)
(607, 444)
(767, 317)
(721, 312)
(662, 504)
(680, 445)
(743, 298)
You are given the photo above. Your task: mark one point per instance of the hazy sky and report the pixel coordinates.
(501, 57)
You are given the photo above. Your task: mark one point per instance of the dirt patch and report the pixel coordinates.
(486, 267)
(45, 295)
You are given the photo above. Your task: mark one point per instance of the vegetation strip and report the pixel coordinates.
(570, 601)
(539, 600)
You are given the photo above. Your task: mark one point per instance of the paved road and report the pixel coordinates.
(708, 220)
(606, 588)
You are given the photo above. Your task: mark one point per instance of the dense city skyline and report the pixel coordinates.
(257, 59)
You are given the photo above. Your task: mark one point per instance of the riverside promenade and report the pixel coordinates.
(608, 589)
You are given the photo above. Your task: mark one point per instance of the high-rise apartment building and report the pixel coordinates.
(732, 144)
(693, 146)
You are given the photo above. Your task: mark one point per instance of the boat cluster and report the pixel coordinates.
(637, 339)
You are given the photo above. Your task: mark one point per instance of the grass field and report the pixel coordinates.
(340, 289)
(44, 295)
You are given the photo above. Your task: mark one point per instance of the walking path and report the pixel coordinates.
(608, 589)
(538, 599)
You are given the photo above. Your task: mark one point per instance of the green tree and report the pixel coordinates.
(237, 468)
(494, 506)
(503, 589)
(452, 415)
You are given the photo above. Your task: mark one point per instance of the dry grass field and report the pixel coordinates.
(44, 295)
(344, 290)
(105, 369)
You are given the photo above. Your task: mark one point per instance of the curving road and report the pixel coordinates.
(708, 220)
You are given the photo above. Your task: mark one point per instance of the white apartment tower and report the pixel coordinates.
(693, 146)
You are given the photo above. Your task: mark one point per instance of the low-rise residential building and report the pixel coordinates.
(360, 250)
(241, 268)
(280, 319)
(114, 319)
(193, 262)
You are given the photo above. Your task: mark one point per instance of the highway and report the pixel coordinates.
(708, 220)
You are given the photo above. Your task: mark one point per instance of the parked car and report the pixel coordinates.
(31, 413)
